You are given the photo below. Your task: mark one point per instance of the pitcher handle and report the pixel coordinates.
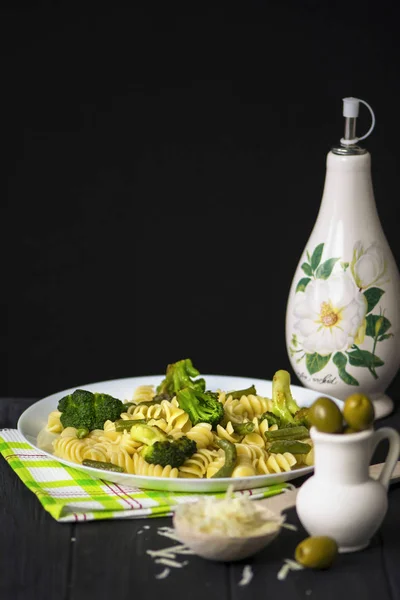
(393, 437)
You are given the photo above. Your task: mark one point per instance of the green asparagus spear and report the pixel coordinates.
(98, 464)
(230, 458)
(237, 394)
(126, 424)
(288, 433)
(292, 446)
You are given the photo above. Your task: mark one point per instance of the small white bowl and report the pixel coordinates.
(224, 548)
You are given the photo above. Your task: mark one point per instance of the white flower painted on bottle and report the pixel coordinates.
(368, 266)
(330, 314)
(338, 318)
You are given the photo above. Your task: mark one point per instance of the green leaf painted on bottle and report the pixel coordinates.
(347, 378)
(344, 265)
(316, 256)
(374, 328)
(307, 269)
(340, 360)
(386, 336)
(363, 358)
(303, 283)
(373, 295)
(308, 256)
(325, 269)
(315, 362)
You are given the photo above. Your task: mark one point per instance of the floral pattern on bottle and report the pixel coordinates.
(337, 312)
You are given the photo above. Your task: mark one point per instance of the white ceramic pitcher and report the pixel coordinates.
(341, 500)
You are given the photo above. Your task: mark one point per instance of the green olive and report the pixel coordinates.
(358, 412)
(350, 430)
(325, 415)
(316, 552)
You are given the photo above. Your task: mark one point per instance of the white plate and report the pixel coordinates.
(34, 419)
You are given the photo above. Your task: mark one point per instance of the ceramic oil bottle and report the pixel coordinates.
(343, 310)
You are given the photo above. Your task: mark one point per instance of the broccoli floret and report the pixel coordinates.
(82, 433)
(271, 418)
(301, 417)
(172, 453)
(160, 449)
(106, 408)
(202, 407)
(284, 406)
(147, 434)
(77, 410)
(178, 376)
(84, 410)
(243, 428)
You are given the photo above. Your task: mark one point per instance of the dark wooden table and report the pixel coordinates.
(41, 559)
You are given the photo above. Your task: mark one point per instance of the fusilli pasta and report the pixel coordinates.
(118, 447)
(53, 422)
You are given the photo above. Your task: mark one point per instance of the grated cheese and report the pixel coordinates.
(171, 563)
(288, 565)
(289, 526)
(293, 564)
(163, 574)
(247, 575)
(167, 556)
(229, 516)
(170, 552)
(168, 532)
(283, 571)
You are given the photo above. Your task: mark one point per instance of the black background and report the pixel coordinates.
(165, 169)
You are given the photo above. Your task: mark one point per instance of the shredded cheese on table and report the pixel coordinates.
(247, 575)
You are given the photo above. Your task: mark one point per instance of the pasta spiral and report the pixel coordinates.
(244, 467)
(152, 411)
(228, 433)
(251, 450)
(201, 434)
(254, 406)
(246, 407)
(175, 416)
(53, 422)
(275, 463)
(141, 467)
(143, 393)
(96, 452)
(70, 448)
(122, 459)
(216, 464)
(196, 465)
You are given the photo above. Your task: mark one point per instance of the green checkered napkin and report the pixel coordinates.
(72, 495)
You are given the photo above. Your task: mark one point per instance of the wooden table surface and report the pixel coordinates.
(41, 559)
